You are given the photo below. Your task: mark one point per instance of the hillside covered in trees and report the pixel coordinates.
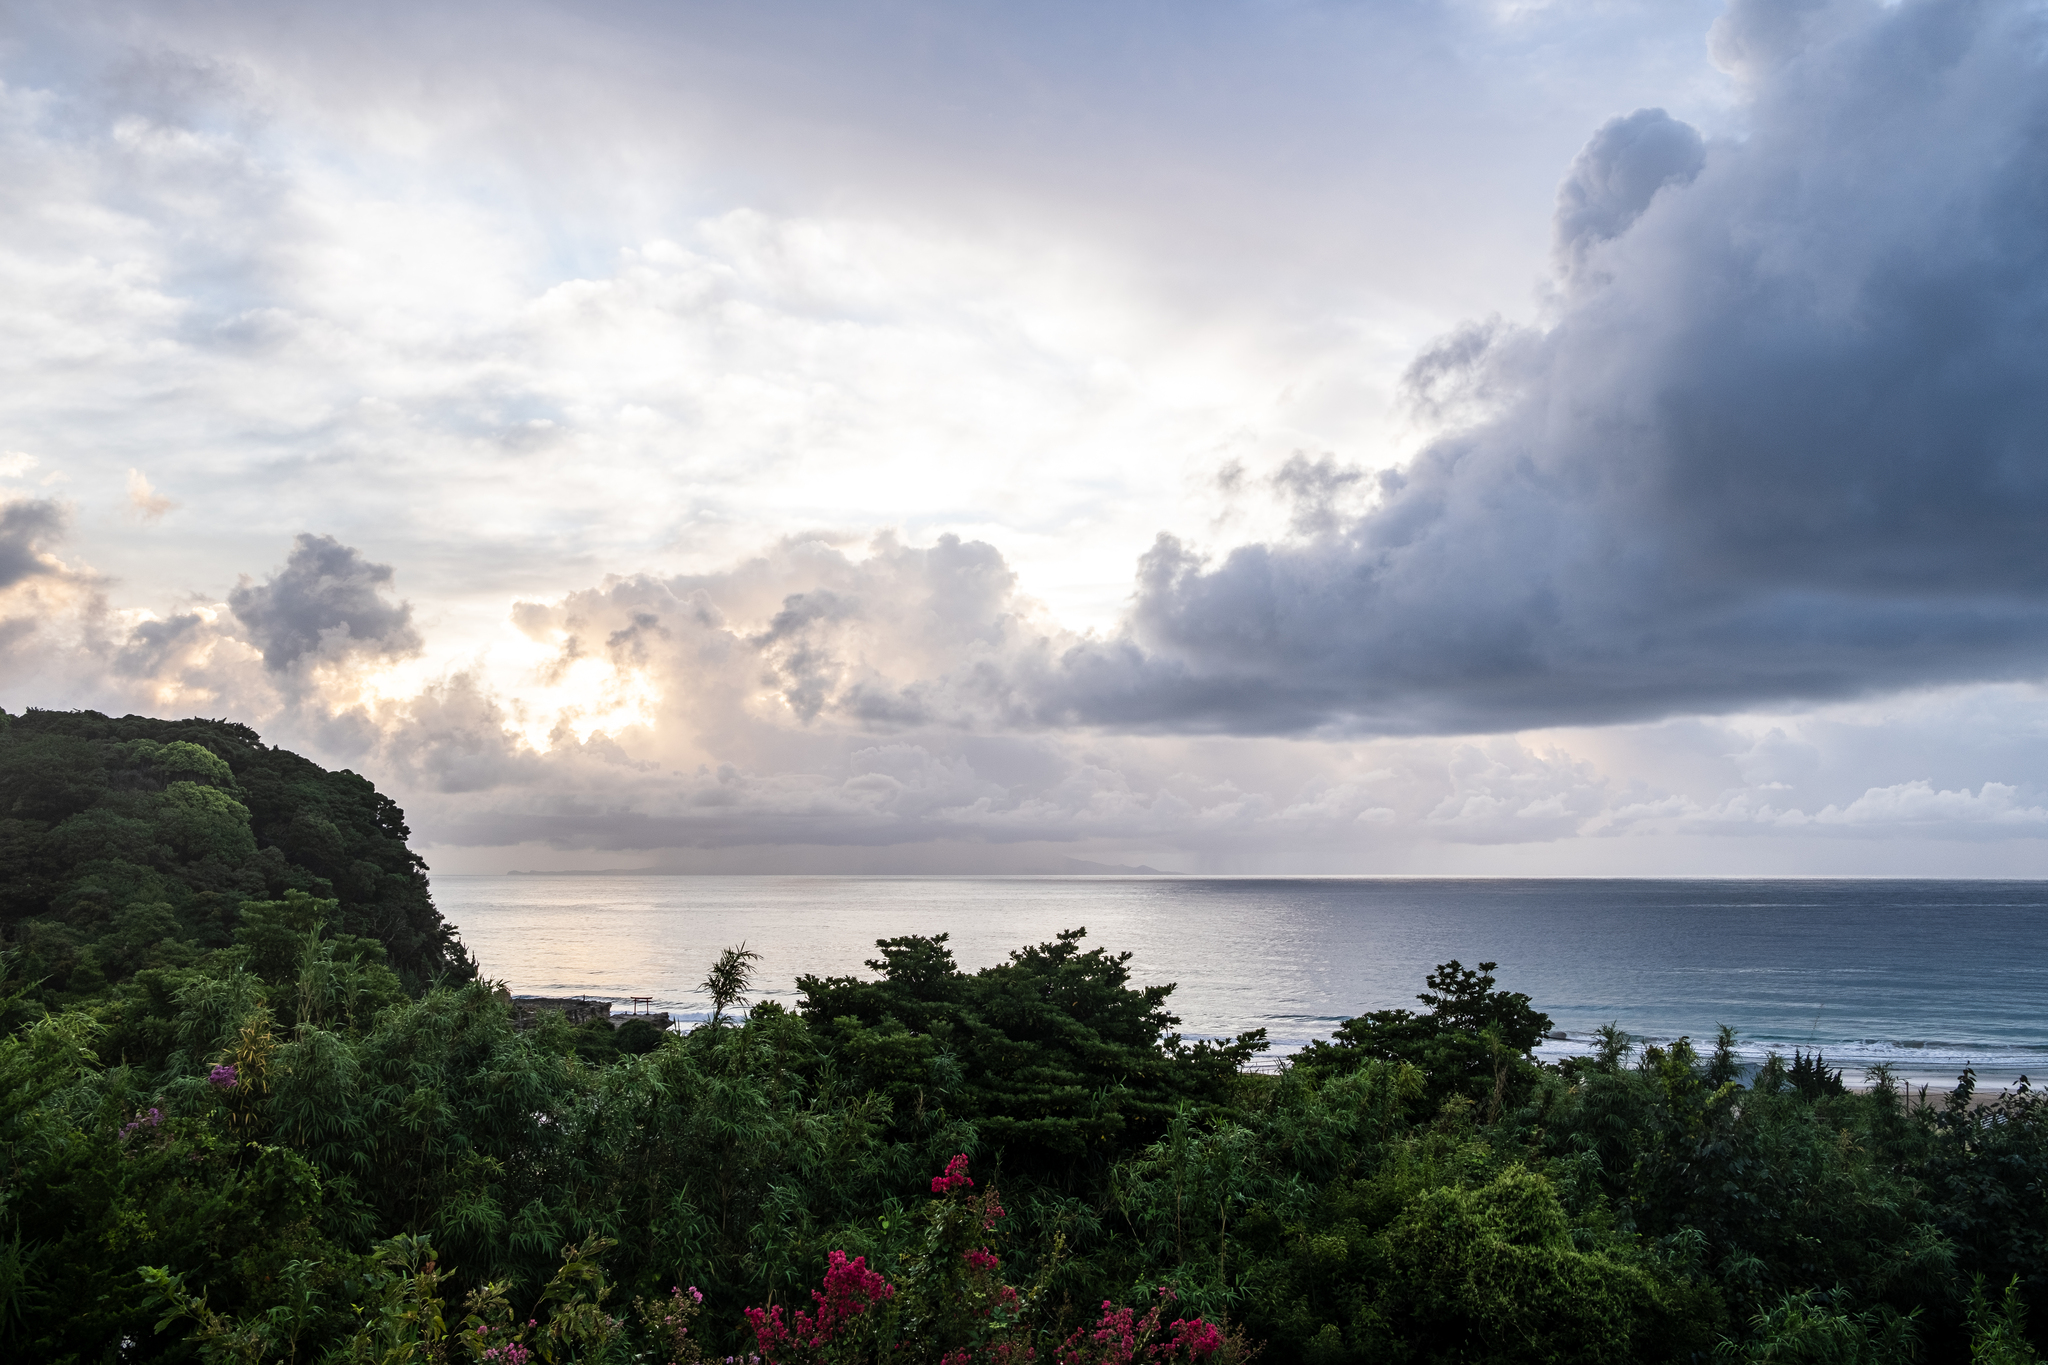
(256, 1105)
(134, 843)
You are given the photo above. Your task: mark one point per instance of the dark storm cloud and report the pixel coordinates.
(327, 599)
(1785, 437)
(26, 526)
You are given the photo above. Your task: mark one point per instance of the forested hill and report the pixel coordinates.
(133, 843)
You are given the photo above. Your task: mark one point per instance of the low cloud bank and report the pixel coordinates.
(841, 708)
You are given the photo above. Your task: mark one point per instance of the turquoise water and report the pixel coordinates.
(1925, 976)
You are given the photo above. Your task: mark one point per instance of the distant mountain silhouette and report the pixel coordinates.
(1082, 865)
(1069, 867)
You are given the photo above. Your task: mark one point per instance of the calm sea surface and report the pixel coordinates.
(1928, 976)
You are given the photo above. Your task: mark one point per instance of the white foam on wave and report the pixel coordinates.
(1913, 1063)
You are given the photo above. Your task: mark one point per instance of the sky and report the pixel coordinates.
(1484, 437)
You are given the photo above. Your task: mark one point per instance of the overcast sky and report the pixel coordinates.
(1493, 436)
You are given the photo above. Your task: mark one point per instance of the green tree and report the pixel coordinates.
(1473, 1042)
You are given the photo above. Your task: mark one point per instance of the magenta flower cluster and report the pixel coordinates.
(222, 1077)
(989, 1310)
(850, 1289)
(1121, 1337)
(505, 1352)
(149, 1120)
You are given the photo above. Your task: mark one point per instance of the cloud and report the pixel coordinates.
(326, 601)
(1314, 490)
(27, 526)
(1918, 803)
(1996, 810)
(313, 271)
(153, 646)
(838, 707)
(1756, 38)
(148, 504)
(1614, 179)
(53, 614)
(1767, 442)
(1785, 435)
(829, 697)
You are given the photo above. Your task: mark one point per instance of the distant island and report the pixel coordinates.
(1082, 867)
(1070, 867)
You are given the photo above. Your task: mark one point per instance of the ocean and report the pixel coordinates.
(1926, 976)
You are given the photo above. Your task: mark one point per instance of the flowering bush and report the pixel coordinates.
(148, 1120)
(222, 1077)
(499, 1341)
(668, 1321)
(850, 1290)
(511, 1353)
(951, 1306)
(955, 1178)
(1120, 1337)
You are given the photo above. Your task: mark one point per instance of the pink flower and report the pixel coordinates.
(149, 1120)
(955, 1177)
(1121, 1337)
(850, 1290)
(1196, 1337)
(981, 1258)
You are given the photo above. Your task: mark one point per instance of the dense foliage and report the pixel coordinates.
(133, 843)
(255, 1106)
